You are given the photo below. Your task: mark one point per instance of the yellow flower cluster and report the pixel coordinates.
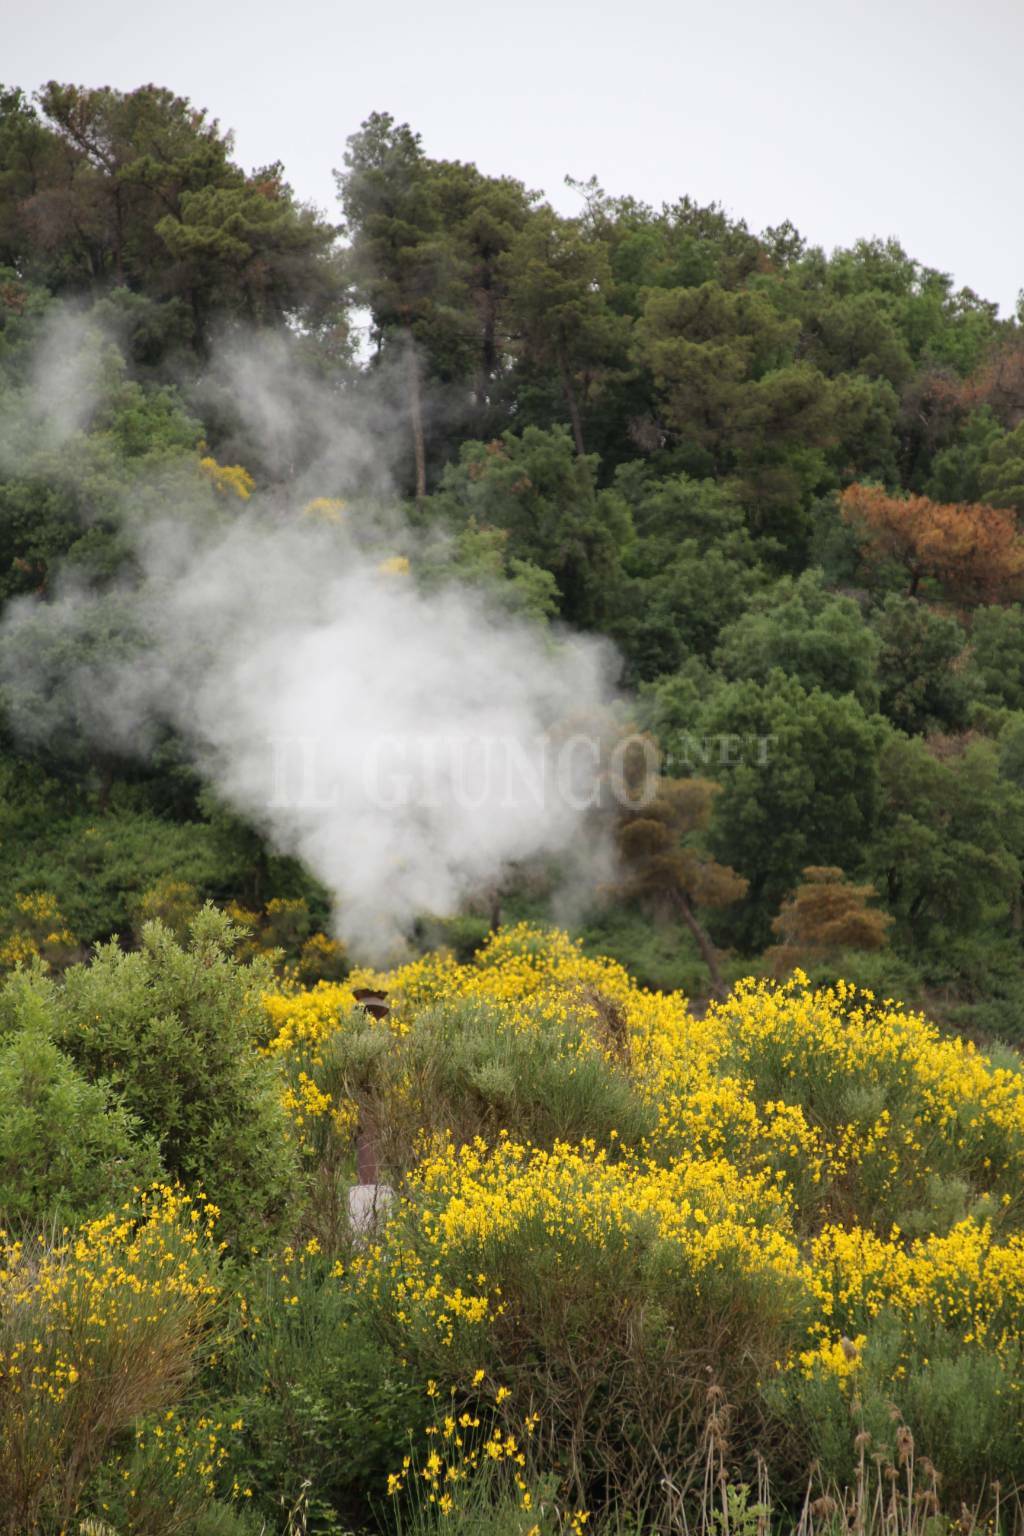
(463, 1453)
(36, 931)
(394, 565)
(964, 1280)
(577, 1195)
(117, 1277)
(325, 509)
(535, 977)
(838, 1358)
(19, 949)
(39, 907)
(306, 1100)
(822, 1085)
(184, 1451)
(228, 479)
(303, 1021)
(838, 1036)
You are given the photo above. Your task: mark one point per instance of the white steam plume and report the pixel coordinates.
(407, 747)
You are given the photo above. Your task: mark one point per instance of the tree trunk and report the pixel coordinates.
(708, 953)
(199, 344)
(488, 345)
(574, 409)
(416, 420)
(118, 241)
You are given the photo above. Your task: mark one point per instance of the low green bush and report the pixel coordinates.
(326, 1409)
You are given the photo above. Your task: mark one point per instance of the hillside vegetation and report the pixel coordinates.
(640, 1270)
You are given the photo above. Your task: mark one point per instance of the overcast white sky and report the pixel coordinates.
(851, 119)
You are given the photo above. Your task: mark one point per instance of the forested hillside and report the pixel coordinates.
(785, 483)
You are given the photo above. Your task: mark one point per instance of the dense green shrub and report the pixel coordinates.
(177, 1032)
(68, 1149)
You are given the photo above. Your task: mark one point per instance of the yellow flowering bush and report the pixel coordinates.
(174, 902)
(783, 1216)
(96, 1329)
(394, 565)
(966, 1281)
(576, 1276)
(898, 1107)
(281, 933)
(321, 959)
(473, 1197)
(810, 1197)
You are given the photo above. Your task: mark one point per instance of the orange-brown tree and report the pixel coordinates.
(827, 913)
(974, 552)
(998, 382)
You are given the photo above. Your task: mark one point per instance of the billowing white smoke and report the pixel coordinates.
(408, 748)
